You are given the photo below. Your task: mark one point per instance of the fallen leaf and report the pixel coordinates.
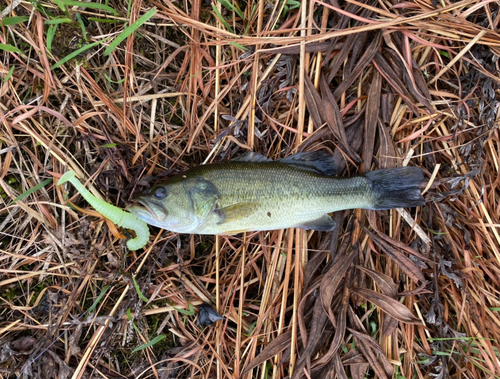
(275, 347)
(388, 305)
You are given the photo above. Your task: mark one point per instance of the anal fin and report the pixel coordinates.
(323, 224)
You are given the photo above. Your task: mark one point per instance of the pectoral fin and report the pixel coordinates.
(235, 212)
(323, 224)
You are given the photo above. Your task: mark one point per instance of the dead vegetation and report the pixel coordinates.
(410, 294)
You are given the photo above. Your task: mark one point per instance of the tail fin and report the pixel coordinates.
(396, 187)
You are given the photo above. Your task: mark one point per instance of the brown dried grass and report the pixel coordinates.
(378, 84)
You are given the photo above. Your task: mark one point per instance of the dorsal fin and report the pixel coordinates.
(251, 156)
(315, 161)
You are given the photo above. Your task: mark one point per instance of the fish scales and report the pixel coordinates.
(253, 193)
(286, 197)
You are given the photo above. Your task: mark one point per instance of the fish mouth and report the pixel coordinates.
(150, 213)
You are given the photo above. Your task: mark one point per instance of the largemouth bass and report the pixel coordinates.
(252, 193)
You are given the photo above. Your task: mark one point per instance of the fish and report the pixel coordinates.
(254, 193)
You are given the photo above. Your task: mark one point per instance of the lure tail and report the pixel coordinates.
(396, 187)
(112, 213)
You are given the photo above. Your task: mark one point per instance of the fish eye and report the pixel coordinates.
(161, 193)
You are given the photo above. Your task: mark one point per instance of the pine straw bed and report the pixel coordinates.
(410, 294)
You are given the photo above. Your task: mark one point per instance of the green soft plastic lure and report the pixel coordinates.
(116, 215)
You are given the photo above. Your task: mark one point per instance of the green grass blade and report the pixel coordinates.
(150, 343)
(184, 312)
(138, 290)
(58, 21)
(31, 190)
(221, 19)
(231, 7)
(103, 20)
(129, 316)
(44, 11)
(108, 145)
(129, 7)
(82, 26)
(74, 54)
(238, 46)
(14, 20)
(254, 9)
(10, 48)
(9, 74)
(129, 30)
(51, 32)
(101, 295)
(61, 6)
(72, 3)
(112, 81)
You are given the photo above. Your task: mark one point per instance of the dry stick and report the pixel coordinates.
(57, 153)
(218, 334)
(300, 128)
(241, 299)
(148, 252)
(10, 326)
(458, 56)
(96, 338)
(166, 309)
(475, 332)
(318, 56)
(10, 8)
(473, 193)
(286, 281)
(70, 326)
(266, 303)
(141, 98)
(253, 100)
(212, 107)
(244, 110)
(296, 296)
(277, 275)
(154, 104)
(375, 25)
(302, 73)
(492, 149)
(253, 93)
(32, 274)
